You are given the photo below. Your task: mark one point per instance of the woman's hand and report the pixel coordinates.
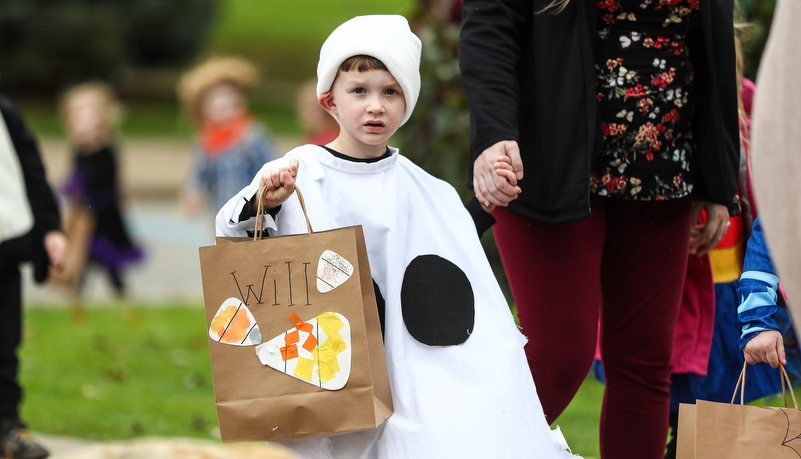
(703, 237)
(492, 186)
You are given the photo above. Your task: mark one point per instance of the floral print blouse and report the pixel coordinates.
(644, 89)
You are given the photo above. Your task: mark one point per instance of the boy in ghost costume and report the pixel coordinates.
(460, 383)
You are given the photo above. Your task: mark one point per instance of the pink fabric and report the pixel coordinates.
(696, 321)
(748, 95)
(697, 314)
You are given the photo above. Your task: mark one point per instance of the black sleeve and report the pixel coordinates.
(40, 195)
(481, 219)
(716, 127)
(489, 56)
(248, 212)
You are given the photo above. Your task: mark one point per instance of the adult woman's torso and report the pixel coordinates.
(645, 98)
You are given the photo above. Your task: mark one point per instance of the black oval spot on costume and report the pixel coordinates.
(437, 302)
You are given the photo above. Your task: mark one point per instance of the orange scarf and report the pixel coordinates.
(216, 138)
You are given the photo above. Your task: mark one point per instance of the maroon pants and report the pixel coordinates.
(627, 262)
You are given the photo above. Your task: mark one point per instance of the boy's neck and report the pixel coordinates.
(387, 154)
(357, 150)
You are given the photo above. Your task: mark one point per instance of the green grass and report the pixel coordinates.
(241, 22)
(142, 119)
(119, 373)
(281, 34)
(282, 38)
(131, 371)
(159, 119)
(579, 422)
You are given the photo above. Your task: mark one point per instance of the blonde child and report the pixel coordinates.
(460, 383)
(90, 112)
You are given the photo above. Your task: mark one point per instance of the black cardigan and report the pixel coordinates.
(40, 196)
(531, 78)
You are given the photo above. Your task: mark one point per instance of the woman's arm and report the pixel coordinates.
(489, 57)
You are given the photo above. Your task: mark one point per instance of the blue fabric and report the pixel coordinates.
(223, 176)
(757, 288)
(726, 359)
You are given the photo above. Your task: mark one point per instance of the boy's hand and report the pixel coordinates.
(766, 346)
(492, 188)
(279, 183)
(505, 169)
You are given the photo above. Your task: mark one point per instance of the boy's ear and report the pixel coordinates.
(326, 100)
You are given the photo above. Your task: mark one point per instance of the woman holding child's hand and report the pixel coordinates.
(492, 186)
(621, 113)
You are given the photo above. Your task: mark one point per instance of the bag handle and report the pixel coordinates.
(260, 212)
(783, 376)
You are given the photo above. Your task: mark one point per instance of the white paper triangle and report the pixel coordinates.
(332, 271)
(301, 354)
(234, 324)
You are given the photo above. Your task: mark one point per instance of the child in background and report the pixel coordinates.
(707, 358)
(320, 128)
(90, 112)
(231, 145)
(460, 383)
(30, 230)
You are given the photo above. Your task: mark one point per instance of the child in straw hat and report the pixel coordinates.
(231, 145)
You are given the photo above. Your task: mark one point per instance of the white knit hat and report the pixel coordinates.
(385, 37)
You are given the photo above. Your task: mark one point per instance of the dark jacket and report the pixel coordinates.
(531, 78)
(30, 247)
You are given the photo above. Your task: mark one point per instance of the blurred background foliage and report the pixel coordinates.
(142, 47)
(754, 17)
(47, 45)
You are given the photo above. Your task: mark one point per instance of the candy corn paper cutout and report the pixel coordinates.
(234, 324)
(317, 351)
(332, 271)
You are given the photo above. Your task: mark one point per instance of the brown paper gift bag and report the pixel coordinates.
(296, 295)
(711, 430)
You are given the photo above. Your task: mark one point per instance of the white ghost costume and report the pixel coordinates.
(460, 381)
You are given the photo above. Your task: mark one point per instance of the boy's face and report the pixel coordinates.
(370, 107)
